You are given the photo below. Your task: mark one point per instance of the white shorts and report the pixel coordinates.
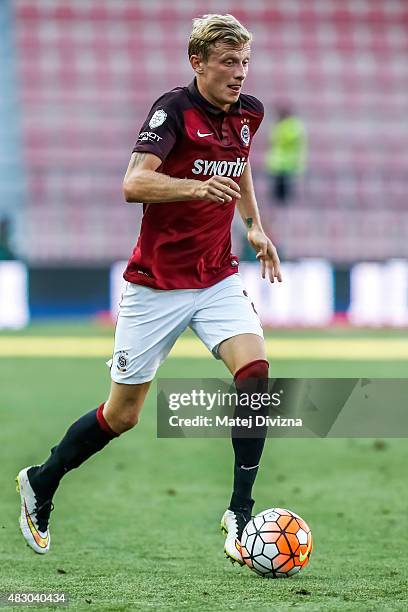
(151, 320)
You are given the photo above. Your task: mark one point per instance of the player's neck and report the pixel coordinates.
(202, 91)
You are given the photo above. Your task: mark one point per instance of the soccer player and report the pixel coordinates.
(190, 168)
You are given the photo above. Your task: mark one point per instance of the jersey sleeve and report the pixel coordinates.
(159, 132)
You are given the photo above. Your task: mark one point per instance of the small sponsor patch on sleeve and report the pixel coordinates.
(150, 136)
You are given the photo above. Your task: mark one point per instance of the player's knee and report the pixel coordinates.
(123, 421)
(251, 381)
(128, 414)
(123, 415)
(127, 421)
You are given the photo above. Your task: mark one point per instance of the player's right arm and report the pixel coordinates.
(142, 183)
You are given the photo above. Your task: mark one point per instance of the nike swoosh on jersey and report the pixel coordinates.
(42, 542)
(303, 557)
(202, 135)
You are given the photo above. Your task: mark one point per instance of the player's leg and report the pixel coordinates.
(85, 437)
(245, 357)
(124, 405)
(149, 323)
(90, 434)
(230, 327)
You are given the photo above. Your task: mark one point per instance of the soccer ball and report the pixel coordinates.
(276, 543)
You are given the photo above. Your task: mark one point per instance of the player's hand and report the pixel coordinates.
(220, 189)
(266, 253)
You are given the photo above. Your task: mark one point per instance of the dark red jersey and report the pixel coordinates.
(187, 245)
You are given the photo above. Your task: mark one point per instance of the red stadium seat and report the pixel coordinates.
(90, 70)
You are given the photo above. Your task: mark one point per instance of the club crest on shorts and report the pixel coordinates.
(245, 134)
(122, 361)
(157, 118)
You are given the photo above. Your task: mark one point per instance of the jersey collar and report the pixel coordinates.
(235, 108)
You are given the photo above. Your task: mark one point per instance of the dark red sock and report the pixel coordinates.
(251, 378)
(103, 422)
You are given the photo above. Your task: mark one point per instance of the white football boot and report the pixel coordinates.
(232, 524)
(34, 516)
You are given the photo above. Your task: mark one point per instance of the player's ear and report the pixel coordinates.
(196, 63)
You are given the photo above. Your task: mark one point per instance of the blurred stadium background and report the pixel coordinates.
(76, 80)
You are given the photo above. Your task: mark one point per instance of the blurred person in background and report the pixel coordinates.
(286, 155)
(6, 252)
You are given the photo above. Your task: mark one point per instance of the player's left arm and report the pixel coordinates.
(247, 206)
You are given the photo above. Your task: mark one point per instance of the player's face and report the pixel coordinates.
(221, 77)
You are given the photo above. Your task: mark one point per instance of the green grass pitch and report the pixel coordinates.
(137, 527)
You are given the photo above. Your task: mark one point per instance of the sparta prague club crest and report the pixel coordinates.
(245, 134)
(122, 361)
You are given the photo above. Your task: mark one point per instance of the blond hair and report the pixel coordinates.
(210, 29)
